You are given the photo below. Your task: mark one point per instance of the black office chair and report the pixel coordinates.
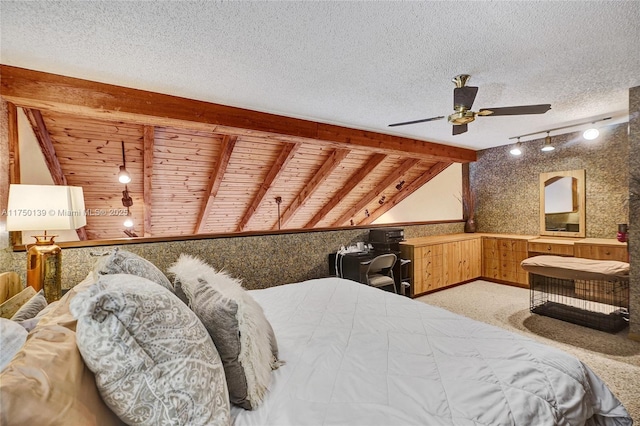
(380, 271)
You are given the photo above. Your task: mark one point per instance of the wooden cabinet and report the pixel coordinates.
(501, 257)
(445, 260)
(601, 249)
(556, 247)
(442, 261)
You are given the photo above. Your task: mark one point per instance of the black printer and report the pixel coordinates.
(386, 240)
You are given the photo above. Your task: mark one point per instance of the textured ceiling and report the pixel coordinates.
(359, 64)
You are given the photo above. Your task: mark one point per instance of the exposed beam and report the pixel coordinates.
(228, 142)
(286, 154)
(13, 159)
(352, 182)
(34, 89)
(405, 192)
(333, 161)
(14, 144)
(46, 146)
(49, 152)
(147, 164)
(395, 175)
(5, 155)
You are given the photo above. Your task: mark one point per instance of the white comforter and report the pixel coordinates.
(356, 355)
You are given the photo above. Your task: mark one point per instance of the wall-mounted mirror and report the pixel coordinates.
(562, 204)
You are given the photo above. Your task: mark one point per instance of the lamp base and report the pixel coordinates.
(44, 267)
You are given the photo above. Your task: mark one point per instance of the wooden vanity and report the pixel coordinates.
(446, 260)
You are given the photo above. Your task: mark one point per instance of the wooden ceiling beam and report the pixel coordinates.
(354, 180)
(228, 143)
(330, 164)
(386, 182)
(49, 152)
(148, 141)
(286, 154)
(35, 89)
(405, 192)
(46, 145)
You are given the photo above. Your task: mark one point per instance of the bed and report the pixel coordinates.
(122, 346)
(356, 355)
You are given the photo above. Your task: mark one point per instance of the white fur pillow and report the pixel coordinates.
(237, 324)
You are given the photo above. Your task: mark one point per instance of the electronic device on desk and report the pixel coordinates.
(386, 240)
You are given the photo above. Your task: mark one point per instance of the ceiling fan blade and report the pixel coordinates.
(459, 128)
(516, 110)
(424, 120)
(464, 96)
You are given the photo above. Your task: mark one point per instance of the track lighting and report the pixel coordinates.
(591, 134)
(517, 148)
(547, 144)
(123, 175)
(400, 185)
(381, 200)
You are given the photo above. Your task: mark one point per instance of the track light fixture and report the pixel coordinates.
(381, 200)
(547, 144)
(588, 134)
(400, 185)
(123, 174)
(591, 133)
(517, 148)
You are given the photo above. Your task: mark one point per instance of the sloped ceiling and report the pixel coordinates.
(201, 168)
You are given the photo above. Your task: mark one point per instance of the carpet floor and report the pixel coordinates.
(613, 357)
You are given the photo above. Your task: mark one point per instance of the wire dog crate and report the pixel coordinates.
(599, 304)
(586, 298)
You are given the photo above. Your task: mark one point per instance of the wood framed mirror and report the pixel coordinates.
(562, 204)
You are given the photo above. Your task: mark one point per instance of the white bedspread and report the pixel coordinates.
(357, 355)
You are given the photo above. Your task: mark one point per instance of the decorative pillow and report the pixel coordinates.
(237, 324)
(12, 337)
(32, 308)
(47, 382)
(153, 360)
(120, 261)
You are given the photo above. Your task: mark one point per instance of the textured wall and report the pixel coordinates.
(507, 187)
(260, 261)
(634, 208)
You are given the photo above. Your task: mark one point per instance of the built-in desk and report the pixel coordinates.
(353, 266)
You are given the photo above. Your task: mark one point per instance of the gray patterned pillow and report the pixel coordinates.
(236, 322)
(153, 360)
(30, 309)
(120, 261)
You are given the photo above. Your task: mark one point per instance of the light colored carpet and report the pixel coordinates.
(613, 357)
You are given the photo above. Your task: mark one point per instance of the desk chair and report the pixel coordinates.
(380, 271)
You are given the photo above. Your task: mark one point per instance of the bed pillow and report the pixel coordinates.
(120, 261)
(12, 337)
(153, 359)
(32, 308)
(47, 382)
(237, 324)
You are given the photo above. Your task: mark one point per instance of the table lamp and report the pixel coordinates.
(45, 208)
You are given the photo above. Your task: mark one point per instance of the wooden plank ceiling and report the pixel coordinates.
(210, 174)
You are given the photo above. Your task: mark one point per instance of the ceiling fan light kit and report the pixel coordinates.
(463, 98)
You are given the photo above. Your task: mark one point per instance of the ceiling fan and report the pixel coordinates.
(463, 97)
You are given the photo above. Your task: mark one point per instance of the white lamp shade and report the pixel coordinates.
(45, 207)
